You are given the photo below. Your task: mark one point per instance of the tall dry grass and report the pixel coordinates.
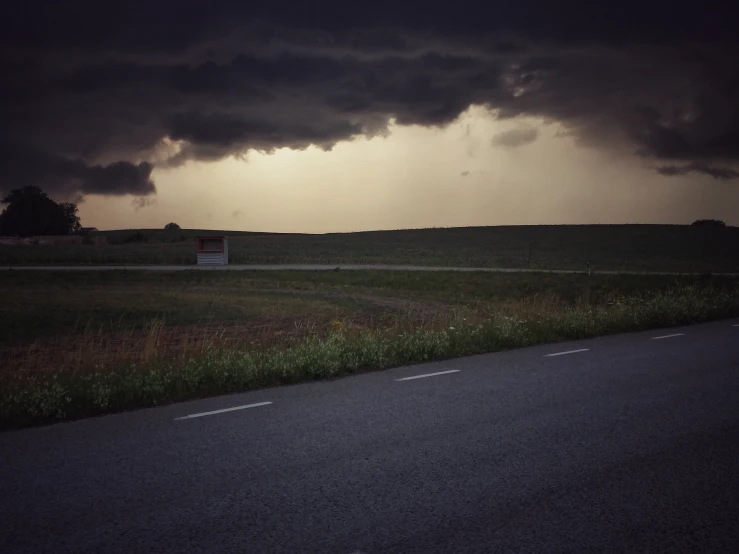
(95, 381)
(95, 349)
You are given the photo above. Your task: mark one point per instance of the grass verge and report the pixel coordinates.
(67, 305)
(28, 398)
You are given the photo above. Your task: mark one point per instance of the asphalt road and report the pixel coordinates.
(620, 444)
(331, 267)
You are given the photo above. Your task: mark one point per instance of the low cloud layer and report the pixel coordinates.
(722, 173)
(91, 105)
(142, 202)
(70, 177)
(516, 137)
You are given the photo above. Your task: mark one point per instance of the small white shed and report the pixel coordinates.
(212, 250)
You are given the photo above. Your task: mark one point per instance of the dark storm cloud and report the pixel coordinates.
(105, 97)
(69, 177)
(516, 137)
(722, 173)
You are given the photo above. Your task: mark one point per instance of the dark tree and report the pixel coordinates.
(30, 212)
(71, 219)
(171, 227)
(709, 223)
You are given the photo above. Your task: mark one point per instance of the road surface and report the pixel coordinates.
(627, 443)
(330, 267)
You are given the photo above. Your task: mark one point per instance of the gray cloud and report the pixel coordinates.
(103, 100)
(721, 173)
(516, 137)
(71, 177)
(142, 202)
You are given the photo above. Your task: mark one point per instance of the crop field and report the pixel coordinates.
(605, 247)
(74, 344)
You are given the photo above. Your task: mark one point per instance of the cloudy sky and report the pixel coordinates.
(334, 116)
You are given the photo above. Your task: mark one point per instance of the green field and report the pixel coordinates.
(606, 247)
(39, 305)
(79, 343)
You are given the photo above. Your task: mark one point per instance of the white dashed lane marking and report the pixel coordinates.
(428, 375)
(668, 336)
(567, 352)
(214, 412)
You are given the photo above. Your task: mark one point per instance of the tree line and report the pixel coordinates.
(30, 212)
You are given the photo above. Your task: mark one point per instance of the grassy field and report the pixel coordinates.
(606, 247)
(82, 343)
